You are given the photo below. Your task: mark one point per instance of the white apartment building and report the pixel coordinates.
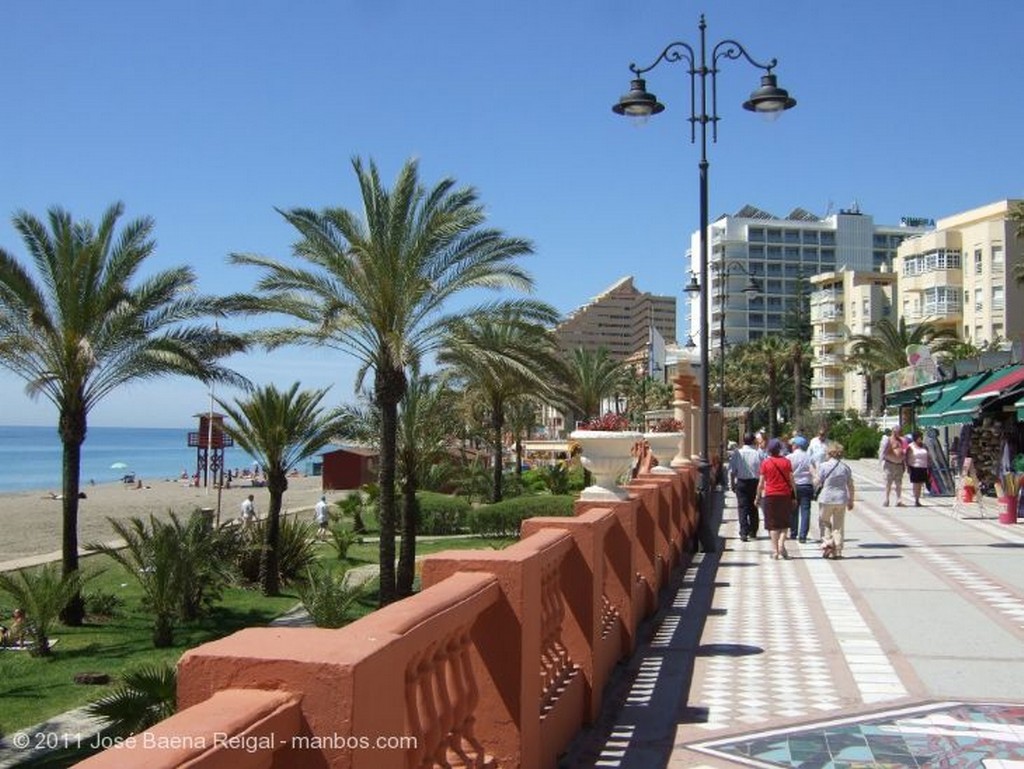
(779, 252)
(845, 303)
(959, 274)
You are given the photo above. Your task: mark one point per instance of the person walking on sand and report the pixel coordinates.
(777, 492)
(918, 463)
(893, 466)
(322, 516)
(835, 479)
(248, 510)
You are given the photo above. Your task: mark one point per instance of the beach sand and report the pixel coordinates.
(30, 521)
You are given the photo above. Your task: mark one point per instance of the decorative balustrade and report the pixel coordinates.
(498, 662)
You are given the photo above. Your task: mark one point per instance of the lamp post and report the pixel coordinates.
(638, 103)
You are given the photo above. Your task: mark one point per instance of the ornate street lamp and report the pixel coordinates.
(638, 103)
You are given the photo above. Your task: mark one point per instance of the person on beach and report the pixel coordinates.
(777, 491)
(322, 516)
(248, 510)
(893, 466)
(744, 472)
(918, 464)
(835, 479)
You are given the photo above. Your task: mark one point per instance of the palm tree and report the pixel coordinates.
(79, 329)
(279, 430)
(380, 285)
(771, 357)
(153, 556)
(591, 376)
(41, 593)
(426, 419)
(498, 360)
(146, 696)
(885, 348)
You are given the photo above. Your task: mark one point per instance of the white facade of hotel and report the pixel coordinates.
(959, 274)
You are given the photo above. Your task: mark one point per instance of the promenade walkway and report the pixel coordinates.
(907, 651)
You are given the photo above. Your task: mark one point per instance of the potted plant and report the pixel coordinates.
(666, 439)
(606, 443)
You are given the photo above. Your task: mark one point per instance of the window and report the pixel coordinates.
(978, 262)
(997, 331)
(997, 297)
(775, 252)
(810, 236)
(756, 252)
(755, 234)
(997, 257)
(979, 298)
(828, 238)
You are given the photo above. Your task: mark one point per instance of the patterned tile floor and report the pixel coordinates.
(952, 735)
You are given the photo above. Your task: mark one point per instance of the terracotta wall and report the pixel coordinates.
(500, 659)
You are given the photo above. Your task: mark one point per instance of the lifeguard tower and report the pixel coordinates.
(210, 440)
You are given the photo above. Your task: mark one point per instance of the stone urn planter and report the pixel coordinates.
(666, 447)
(606, 454)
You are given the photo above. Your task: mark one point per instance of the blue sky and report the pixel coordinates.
(207, 115)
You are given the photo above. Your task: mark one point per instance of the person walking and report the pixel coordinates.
(744, 473)
(322, 516)
(776, 491)
(818, 448)
(835, 498)
(918, 464)
(803, 476)
(248, 510)
(893, 466)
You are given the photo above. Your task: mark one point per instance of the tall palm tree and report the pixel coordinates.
(521, 417)
(499, 359)
(380, 284)
(591, 376)
(86, 324)
(427, 417)
(885, 348)
(279, 429)
(771, 357)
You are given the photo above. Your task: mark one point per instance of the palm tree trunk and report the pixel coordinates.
(497, 424)
(72, 433)
(270, 557)
(519, 458)
(407, 548)
(389, 388)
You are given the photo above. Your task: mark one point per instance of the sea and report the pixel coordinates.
(30, 457)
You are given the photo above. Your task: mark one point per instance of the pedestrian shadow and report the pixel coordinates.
(1007, 544)
(882, 546)
(728, 650)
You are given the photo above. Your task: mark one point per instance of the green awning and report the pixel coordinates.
(949, 409)
(912, 395)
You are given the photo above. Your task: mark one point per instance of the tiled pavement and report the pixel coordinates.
(786, 663)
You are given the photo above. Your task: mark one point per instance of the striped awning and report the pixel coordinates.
(1005, 379)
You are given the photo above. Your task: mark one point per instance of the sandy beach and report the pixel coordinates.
(30, 521)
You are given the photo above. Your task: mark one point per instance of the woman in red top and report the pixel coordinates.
(777, 491)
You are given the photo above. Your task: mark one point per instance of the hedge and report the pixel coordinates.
(503, 519)
(441, 514)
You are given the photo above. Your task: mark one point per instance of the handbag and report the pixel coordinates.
(821, 483)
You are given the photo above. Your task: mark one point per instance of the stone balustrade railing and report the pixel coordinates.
(498, 661)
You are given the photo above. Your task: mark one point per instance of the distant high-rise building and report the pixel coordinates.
(780, 254)
(619, 320)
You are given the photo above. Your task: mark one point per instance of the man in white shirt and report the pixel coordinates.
(744, 473)
(248, 510)
(818, 448)
(322, 515)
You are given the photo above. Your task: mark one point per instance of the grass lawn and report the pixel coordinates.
(33, 689)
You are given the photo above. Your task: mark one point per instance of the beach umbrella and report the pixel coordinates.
(119, 466)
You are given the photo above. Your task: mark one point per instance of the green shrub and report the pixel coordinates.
(504, 518)
(100, 603)
(297, 549)
(145, 697)
(342, 539)
(330, 598)
(860, 440)
(441, 514)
